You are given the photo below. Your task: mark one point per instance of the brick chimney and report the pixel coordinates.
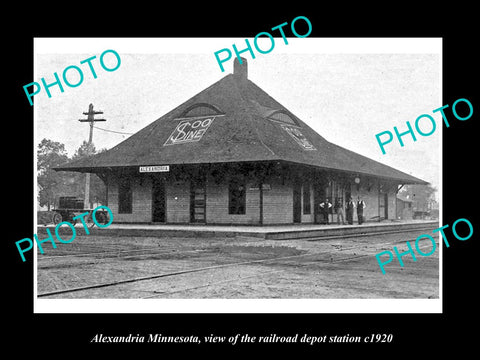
(240, 70)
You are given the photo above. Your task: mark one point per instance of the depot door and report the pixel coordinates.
(318, 197)
(297, 203)
(383, 205)
(158, 200)
(197, 200)
(385, 200)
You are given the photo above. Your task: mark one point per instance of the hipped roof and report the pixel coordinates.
(242, 131)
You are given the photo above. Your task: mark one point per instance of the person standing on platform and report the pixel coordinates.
(325, 209)
(360, 206)
(350, 206)
(338, 208)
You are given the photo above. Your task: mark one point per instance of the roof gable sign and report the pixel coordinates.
(299, 138)
(189, 130)
(194, 123)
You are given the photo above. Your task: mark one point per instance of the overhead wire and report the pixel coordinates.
(116, 132)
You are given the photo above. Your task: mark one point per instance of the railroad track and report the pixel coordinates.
(284, 259)
(58, 254)
(362, 234)
(256, 275)
(181, 272)
(114, 255)
(175, 248)
(119, 253)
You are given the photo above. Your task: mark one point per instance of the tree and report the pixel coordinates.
(84, 150)
(49, 155)
(98, 192)
(53, 184)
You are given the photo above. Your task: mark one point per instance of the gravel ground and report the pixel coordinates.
(334, 269)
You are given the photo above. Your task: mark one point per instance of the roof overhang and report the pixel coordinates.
(129, 168)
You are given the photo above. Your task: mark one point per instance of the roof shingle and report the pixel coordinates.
(244, 131)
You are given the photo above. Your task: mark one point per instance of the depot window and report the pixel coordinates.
(283, 116)
(202, 109)
(236, 197)
(124, 196)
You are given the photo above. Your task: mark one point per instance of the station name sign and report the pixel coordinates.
(149, 169)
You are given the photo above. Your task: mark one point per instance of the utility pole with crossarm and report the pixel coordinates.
(91, 119)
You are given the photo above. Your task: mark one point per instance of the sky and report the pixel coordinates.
(348, 90)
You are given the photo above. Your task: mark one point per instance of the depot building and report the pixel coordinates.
(234, 155)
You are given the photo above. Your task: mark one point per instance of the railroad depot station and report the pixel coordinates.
(233, 155)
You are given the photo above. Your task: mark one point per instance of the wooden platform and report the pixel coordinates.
(272, 232)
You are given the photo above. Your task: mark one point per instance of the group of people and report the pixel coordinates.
(349, 209)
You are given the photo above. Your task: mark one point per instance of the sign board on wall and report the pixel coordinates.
(149, 169)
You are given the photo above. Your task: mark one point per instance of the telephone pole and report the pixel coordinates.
(91, 119)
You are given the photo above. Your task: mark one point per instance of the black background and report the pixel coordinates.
(70, 334)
